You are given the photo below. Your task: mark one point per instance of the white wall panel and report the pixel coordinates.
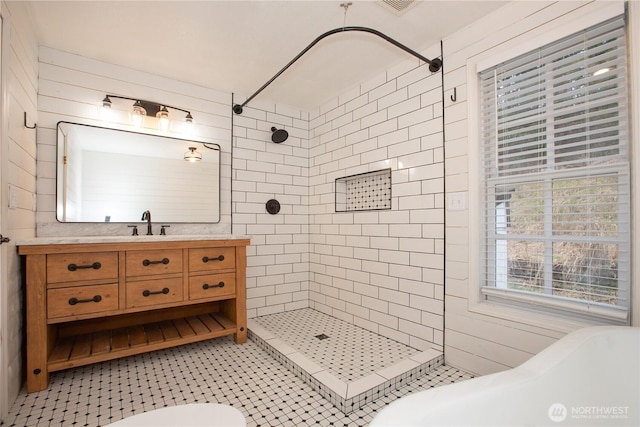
(18, 166)
(479, 338)
(71, 88)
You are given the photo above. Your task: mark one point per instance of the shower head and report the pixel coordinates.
(279, 135)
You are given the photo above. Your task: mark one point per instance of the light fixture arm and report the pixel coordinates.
(434, 64)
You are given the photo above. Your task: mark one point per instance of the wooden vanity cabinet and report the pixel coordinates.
(92, 302)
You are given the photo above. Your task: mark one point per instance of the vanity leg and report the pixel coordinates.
(240, 303)
(38, 339)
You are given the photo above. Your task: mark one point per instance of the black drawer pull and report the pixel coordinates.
(218, 258)
(147, 292)
(208, 286)
(164, 261)
(74, 300)
(73, 267)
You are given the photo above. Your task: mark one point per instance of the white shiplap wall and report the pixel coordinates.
(18, 157)
(71, 88)
(481, 338)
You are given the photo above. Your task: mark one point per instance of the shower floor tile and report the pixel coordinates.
(349, 352)
(346, 364)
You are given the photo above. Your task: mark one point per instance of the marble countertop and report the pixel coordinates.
(119, 239)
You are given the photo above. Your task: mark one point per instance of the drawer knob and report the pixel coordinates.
(74, 300)
(73, 267)
(147, 292)
(208, 286)
(164, 261)
(218, 258)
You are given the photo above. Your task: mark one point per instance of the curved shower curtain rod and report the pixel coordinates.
(434, 64)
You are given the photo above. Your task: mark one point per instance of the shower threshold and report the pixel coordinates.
(351, 367)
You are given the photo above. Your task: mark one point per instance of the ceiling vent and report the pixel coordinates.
(397, 7)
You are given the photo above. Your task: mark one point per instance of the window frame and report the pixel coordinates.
(563, 316)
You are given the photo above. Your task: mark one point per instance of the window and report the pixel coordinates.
(555, 165)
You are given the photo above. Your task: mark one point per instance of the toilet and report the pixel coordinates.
(194, 414)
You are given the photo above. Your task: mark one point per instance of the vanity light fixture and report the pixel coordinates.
(142, 109)
(192, 155)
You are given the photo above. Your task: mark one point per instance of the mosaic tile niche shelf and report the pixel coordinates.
(364, 192)
(346, 364)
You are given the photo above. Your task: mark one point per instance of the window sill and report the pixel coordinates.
(531, 313)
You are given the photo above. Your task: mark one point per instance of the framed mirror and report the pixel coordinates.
(110, 175)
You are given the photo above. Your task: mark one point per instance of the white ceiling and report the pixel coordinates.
(237, 46)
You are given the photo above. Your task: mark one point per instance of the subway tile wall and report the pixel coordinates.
(382, 270)
(278, 257)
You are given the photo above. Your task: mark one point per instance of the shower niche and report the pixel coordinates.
(369, 191)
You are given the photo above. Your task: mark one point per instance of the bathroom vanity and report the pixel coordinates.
(91, 300)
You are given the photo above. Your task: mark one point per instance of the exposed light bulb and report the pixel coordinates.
(188, 124)
(137, 115)
(105, 111)
(601, 71)
(163, 118)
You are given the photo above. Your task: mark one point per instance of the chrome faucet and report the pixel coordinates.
(146, 215)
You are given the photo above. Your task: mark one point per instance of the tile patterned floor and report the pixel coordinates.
(243, 376)
(349, 352)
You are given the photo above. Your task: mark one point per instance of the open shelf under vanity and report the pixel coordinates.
(73, 348)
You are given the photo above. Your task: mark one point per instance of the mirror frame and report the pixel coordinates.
(59, 157)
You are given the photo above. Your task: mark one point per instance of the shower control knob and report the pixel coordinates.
(273, 206)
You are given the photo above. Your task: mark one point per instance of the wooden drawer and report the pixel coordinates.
(145, 263)
(145, 293)
(82, 267)
(212, 285)
(64, 302)
(211, 259)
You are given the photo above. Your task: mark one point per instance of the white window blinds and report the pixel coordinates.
(554, 128)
